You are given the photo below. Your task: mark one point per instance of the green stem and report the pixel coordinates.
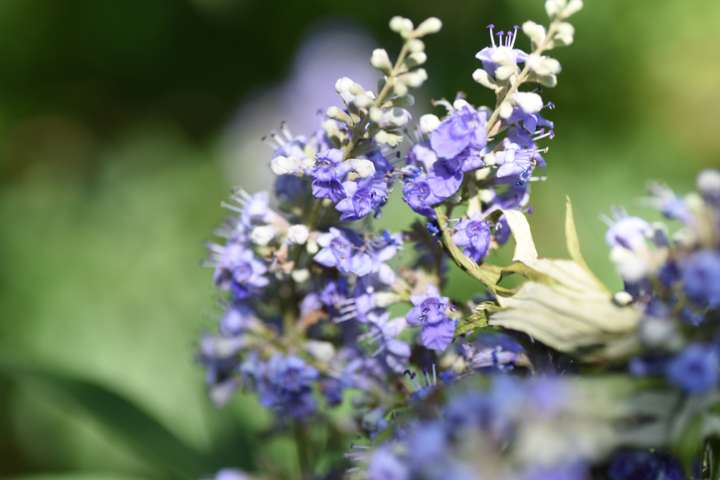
(304, 450)
(357, 131)
(489, 275)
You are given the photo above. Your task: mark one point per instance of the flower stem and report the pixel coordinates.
(304, 451)
(489, 275)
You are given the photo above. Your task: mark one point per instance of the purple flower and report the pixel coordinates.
(236, 320)
(644, 465)
(328, 174)
(701, 278)
(501, 54)
(515, 163)
(417, 194)
(384, 465)
(345, 250)
(342, 249)
(502, 231)
(567, 471)
(231, 474)
(628, 232)
(285, 386)
(473, 235)
(219, 356)
(329, 165)
(461, 129)
(362, 198)
(695, 369)
(238, 269)
(290, 188)
(384, 333)
(445, 178)
(430, 313)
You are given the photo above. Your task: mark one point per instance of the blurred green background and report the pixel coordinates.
(124, 124)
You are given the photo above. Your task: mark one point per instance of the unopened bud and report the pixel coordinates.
(298, 234)
(381, 60)
(262, 235)
(431, 25)
(363, 167)
(535, 32)
(401, 25)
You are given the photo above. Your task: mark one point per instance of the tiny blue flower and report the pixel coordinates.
(695, 369)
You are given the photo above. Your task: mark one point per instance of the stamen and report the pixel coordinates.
(231, 207)
(514, 36)
(491, 27)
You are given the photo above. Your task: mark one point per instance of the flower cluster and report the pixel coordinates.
(324, 309)
(544, 428)
(674, 277)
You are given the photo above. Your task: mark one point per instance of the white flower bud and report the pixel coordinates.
(428, 123)
(415, 78)
(708, 183)
(395, 117)
(300, 276)
(431, 25)
(554, 7)
(535, 32)
(482, 77)
(363, 167)
(416, 46)
(622, 298)
(323, 351)
(331, 128)
(312, 246)
(363, 100)
(298, 234)
(543, 66)
(565, 34)
(504, 72)
(529, 102)
(282, 165)
(401, 25)
(381, 60)
(399, 87)
(262, 235)
(417, 58)
(376, 115)
(387, 138)
(338, 114)
(506, 110)
(572, 8)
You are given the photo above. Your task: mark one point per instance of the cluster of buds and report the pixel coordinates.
(382, 116)
(505, 68)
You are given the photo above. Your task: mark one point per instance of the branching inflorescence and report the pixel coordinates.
(321, 311)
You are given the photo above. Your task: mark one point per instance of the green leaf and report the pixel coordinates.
(140, 432)
(573, 242)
